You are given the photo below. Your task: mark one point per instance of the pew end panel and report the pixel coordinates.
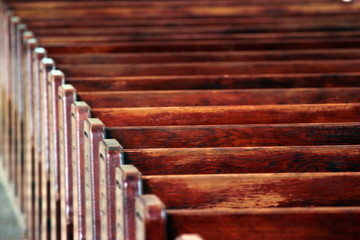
(111, 157)
(46, 65)
(150, 218)
(55, 79)
(66, 97)
(93, 134)
(128, 187)
(80, 111)
(38, 54)
(29, 135)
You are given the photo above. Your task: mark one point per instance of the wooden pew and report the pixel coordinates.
(273, 67)
(315, 222)
(226, 45)
(80, 131)
(301, 7)
(313, 80)
(93, 129)
(188, 10)
(130, 58)
(163, 161)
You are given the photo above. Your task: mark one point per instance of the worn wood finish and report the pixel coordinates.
(183, 45)
(294, 134)
(250, 31)
(187, 36)
(189, 22)
(29, 154)
(127, 58)
(219, 97)
(55, 79)
(164, 161)
(21, 116)
(238, 191)
(215, 82)
(257, 114)
(110, 157)
(39, 54)
(93, 135)
(253, 190)
(317, 223)
(79, 113)
(66, 97)
(187, 10)
(46, 65)
(273, 67)
(191, 45)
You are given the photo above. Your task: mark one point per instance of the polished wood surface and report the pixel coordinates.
(241, 117)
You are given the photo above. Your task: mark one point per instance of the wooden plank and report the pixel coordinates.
(165, 161)
(66, 97)
(191, 45)
(219, 97)
(293, 134)
(215, 115)
(272, 223)
(127, 58)
(79, 112)
(210, 68)
(55, 79)
(259, 81)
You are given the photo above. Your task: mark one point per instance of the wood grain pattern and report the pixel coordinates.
(93, 135)
(65, 98)
(306, 223)
(127, 58)
(336, 158)
(219, 97)
(79, 113)
(222, 191)
(257, 114)
(235, 135)
(226, 45)
(214, 82)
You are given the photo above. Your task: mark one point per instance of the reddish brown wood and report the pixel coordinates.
(110, 157)
(215, 82)
(214, 115)
(55, 79)
(128, 58)
(150, 218)
(219, 97)
(254, 190)
(46, 65)
(176, 46)
(162, 161)
(79, 113)
(39, 54)
(93, 135)
(65, 98)
(29, 138)
(236, 135)
(317, 223)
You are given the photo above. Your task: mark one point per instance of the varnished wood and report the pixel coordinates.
(128, 58)
(260, 159)
(219, 97)
(214, 82)
(295, 134)
(258, 114)
(317, 222)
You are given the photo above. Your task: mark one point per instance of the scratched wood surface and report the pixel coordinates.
(303, 55)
